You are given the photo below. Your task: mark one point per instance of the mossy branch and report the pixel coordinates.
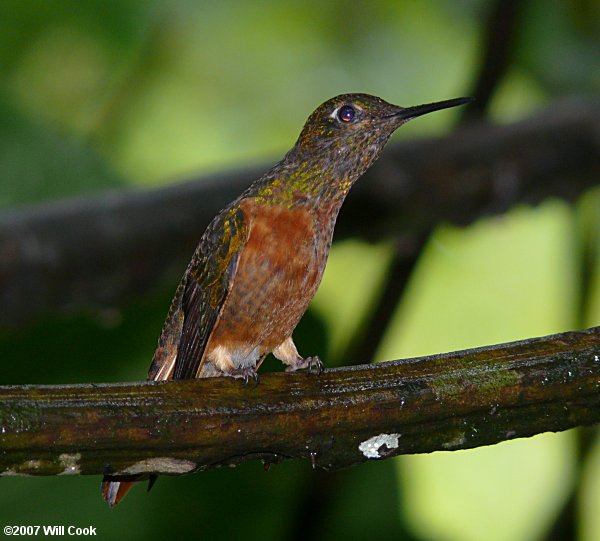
(339, 418)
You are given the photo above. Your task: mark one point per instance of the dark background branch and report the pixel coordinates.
(98, 252)
(497, 54)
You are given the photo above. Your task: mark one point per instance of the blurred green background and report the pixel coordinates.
(101, 94)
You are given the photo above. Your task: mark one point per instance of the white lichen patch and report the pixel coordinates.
(70, 463)
(12, 473)
(457, 441)
(25, 469)
(372, 448)
(160, 465)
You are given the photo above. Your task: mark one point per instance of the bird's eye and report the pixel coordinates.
(346, 113)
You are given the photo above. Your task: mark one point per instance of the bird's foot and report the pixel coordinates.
(314, 365)
(246, 373)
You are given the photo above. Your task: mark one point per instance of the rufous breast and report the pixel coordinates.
(278, 272)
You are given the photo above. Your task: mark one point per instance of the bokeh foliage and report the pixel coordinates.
(102, 94)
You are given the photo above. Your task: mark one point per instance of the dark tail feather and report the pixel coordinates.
(115, 487)
(152, 479)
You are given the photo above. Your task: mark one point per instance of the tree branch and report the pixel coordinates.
(100, 251)
(339, 418)
(497, 54)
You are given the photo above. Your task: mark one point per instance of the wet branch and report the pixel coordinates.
(339, 418)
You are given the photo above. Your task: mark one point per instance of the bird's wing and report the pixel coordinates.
(200, 297)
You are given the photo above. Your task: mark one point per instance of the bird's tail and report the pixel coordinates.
(115, 487)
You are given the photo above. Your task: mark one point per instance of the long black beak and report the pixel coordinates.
(418, 110)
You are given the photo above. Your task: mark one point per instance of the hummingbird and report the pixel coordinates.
(261, 259)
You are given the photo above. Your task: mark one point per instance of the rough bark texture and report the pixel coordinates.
(337, 419)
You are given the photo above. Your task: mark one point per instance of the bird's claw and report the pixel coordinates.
(313, 364)
(247, 373)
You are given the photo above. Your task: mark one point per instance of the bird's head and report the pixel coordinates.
(338, 143)
(355, 127)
